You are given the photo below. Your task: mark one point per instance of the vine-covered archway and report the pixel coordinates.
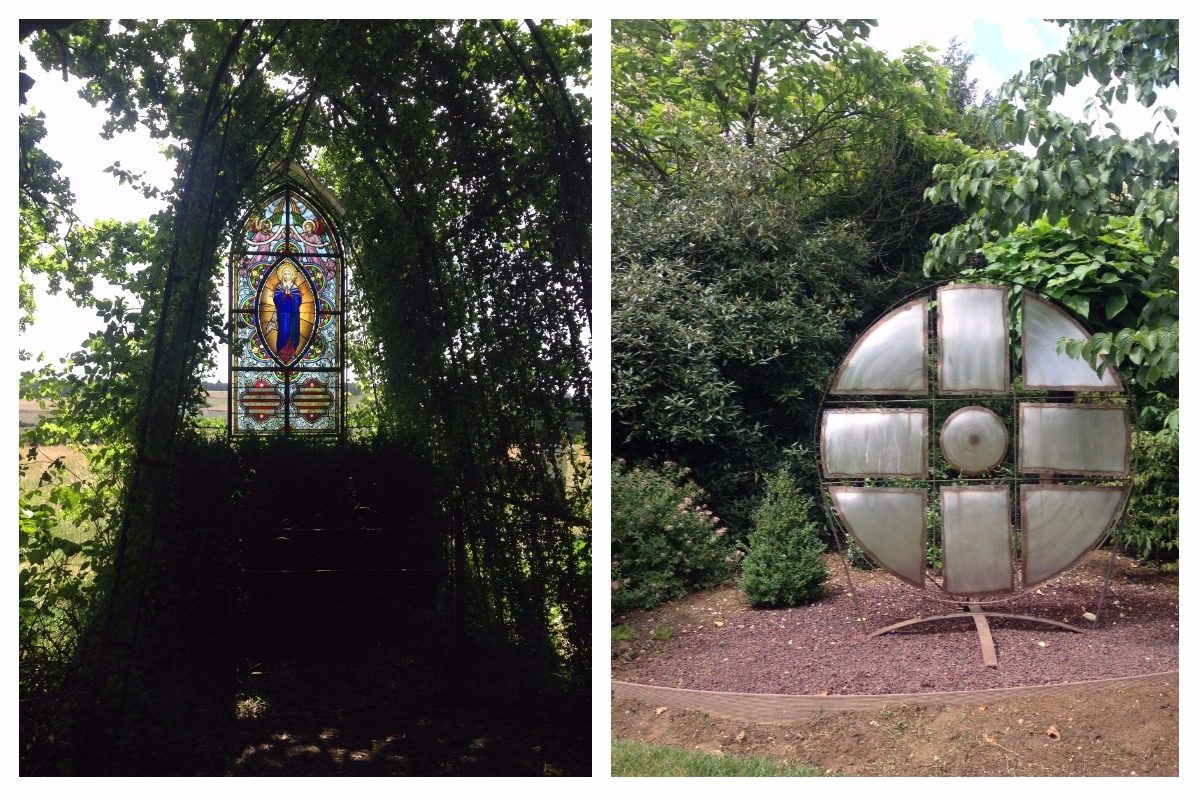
(461, 152)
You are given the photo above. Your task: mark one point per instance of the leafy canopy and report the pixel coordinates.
(767, 203)
(1091, 216)
(461, 153)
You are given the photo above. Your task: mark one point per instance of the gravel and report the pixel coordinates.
(719, 643)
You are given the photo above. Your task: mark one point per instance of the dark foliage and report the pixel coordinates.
(460, 152)
(768, 205)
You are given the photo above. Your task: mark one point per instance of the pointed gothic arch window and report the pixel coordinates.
(287, 305)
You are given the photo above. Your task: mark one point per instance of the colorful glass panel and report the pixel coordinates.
(286, 305)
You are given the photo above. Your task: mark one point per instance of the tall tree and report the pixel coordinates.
(767, 202)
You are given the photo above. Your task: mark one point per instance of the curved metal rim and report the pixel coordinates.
(1029, 294)
(886, 392)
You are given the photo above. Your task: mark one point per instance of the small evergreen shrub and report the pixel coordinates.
(784, 565)
(665, 542)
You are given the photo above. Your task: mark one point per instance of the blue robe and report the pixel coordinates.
(287, 314)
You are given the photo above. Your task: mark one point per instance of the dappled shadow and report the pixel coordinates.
(385, 722)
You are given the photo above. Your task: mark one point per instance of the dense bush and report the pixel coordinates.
(1109, 281)
(784, 566)
(664, 540)
(1151, 526)
(727, 319)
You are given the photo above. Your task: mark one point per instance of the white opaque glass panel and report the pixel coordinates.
(976, 553)
(889, 524)
(890, 357)
(1043, 366)
(974, 439)
(874, 442)
(1080, 440)
(1061, 524)
(972, 339)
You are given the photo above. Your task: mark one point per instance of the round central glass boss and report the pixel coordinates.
(974, 439)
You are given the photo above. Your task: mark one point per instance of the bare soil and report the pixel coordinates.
(715, 641)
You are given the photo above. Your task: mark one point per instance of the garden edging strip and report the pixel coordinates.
(781, 708)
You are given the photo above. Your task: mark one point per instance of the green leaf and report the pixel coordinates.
(1080, 305)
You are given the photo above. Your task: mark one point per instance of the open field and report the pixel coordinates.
(29, 412)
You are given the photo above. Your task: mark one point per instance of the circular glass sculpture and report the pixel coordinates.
(1026, 475)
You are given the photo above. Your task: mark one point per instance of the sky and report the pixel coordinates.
(73, 138)
(1001, 48)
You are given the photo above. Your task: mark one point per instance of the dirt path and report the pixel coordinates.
(1130, 731)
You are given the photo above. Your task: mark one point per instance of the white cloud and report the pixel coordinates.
(986, 76)
(1021, 36)
(895, 34)
(1131, 117)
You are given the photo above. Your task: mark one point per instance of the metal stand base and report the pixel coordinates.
(987, 646)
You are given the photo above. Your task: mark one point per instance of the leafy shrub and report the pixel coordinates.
(784, 565)
(664, 541)
(1151, 527)
(855, 555)
(1111, 281)
(728, 316)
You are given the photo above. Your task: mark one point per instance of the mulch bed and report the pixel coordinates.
(714, 641)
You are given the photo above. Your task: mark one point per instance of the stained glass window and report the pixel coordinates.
(287, 293)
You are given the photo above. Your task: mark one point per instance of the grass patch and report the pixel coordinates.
(623, 633)
(76, 468)
(631, 758)
(662, 634)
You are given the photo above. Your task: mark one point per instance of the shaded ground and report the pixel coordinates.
(393, 717)
(349, 722)
(714, 641)
(327, 678)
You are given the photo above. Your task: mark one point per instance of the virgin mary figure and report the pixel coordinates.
(287, 314)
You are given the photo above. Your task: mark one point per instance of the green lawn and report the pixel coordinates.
(631, 758)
